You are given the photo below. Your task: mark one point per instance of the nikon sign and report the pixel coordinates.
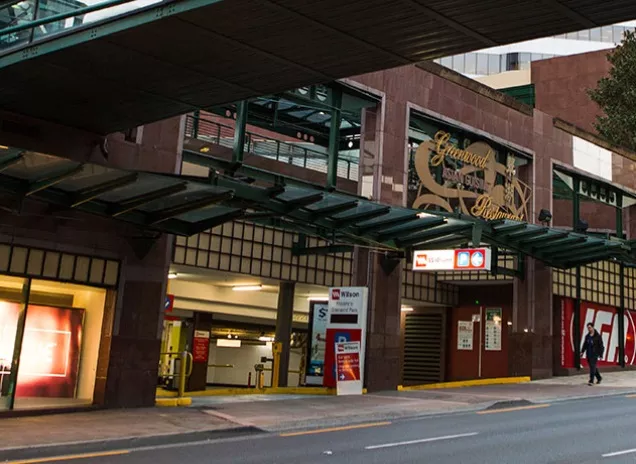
(473, 178)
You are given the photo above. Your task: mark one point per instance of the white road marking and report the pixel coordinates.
(619, 453)
(423, 440)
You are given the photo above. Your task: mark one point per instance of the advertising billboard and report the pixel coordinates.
(51, 349)
(318, 317)
(605, 319)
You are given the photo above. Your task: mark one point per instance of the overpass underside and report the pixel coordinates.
(103, 70)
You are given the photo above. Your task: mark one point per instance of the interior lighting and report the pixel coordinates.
(407, 309)
(248, 288)
(3, 147)
(173, 275)
(263, 338)
(318, 298)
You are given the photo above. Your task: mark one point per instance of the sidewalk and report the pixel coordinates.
(212, 417)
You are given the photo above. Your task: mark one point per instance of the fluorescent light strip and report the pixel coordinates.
(248, 288)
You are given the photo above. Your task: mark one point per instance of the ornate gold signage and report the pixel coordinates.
(470, 180)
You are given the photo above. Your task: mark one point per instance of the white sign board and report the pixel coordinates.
(469, 259)
(465, 335)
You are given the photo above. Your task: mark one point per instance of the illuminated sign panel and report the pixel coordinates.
(453, 172)
(469, 259)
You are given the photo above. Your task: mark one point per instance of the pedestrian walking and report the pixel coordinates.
(593, 350)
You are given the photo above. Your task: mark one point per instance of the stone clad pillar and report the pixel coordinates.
(383, 176)
(284, 321)
(130, 379)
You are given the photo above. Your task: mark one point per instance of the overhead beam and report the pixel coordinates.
(433, 14)
(177, 210)
(38, 185)
(556, 5)
(7, 163)
(91, 193)
(436, 232)
(132, 203)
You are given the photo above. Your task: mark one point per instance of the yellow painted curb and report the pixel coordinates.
(173, 402)
(166, 402)
(466, 383)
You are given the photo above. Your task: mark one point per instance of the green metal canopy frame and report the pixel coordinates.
(185, 205)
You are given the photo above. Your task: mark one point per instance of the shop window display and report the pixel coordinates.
(49, 343)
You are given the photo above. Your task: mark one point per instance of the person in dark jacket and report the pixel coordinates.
(593, 349)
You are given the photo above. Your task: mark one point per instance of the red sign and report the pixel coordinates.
(169, 306)
(605, 320)
(348, 361)
(332, 337)
(200, 346)
(335, 294)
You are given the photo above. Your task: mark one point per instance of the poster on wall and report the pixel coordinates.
(493, 329)
(51, 347)
(200, 346)
(465, 335)
(605, 319)
(348, 380)
(318, 317)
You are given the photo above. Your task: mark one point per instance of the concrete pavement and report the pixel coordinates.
(599, 431)
(212, 417)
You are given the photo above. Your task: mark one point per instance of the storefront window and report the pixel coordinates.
(12, 303)
(53, 341)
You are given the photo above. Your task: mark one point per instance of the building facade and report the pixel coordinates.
(418, 137)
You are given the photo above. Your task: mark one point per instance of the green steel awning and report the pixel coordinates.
(185, 205)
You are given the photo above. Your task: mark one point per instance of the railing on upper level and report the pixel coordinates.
(260, 145)
(24, 21)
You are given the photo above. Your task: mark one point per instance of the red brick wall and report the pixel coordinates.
(561, 86)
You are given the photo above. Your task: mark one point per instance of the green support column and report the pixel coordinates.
(240, 132)
(334, 139)
(576, 214)
(621, 309)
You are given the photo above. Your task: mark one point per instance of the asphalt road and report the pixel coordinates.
(590, 431)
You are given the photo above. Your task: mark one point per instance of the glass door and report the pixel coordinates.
(13, 297)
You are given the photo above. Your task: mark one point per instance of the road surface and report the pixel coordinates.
(587, 431)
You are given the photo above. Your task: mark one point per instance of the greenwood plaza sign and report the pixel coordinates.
(469, 179)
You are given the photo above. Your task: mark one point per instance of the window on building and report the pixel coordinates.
(584, 35)
(482, 63)
(572, 35)
(618, 33)
(524, 60)
(447, 61)
(470, 63)
(459, 63)
(607, 34)
(595, 34)
(494, 64)
(512, 62)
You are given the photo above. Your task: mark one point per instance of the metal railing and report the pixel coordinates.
(24, 21)
(259, 145)
(186, 363)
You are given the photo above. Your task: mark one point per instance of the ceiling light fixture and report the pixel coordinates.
(3, 147)
(248, 288)
(407, 309)
(318, 298)
(173, 275)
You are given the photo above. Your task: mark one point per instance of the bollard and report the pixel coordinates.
(249, 380)
(182, 374)
(261, 380)
(277, 349)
